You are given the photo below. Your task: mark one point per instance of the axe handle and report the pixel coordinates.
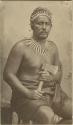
(40, 86)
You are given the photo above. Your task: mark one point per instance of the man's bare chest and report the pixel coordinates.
(34, 57)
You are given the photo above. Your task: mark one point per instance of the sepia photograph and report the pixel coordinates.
(36, 62)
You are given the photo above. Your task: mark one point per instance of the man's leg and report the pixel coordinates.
(65, 121)
(44, 115)
(67, 109)
(64, 110)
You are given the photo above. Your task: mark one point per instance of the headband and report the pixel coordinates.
(40, 11)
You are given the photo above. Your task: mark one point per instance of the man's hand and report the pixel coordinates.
(34, 94)
(46, 76)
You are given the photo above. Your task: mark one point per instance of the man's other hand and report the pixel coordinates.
(35, 94)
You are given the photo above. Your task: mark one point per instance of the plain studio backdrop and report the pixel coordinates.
(16, 26)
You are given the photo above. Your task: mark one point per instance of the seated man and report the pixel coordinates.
(33, 70)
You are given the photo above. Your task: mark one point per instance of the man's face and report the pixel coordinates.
(41, 27)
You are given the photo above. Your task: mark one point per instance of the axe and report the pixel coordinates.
(51, 69)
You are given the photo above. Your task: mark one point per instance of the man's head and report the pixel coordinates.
(41, 22)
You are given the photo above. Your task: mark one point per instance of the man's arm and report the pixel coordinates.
(57, 62)
(10, 71)
(12, 66)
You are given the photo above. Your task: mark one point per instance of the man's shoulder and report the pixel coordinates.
(52, 46)
(21, 44)
(52, 43)
(24, 42)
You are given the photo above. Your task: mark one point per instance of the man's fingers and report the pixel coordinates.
(45, 79)
(39, 93)
(43, 72)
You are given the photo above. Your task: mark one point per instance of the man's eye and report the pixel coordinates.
(40, 23)
(47, 23)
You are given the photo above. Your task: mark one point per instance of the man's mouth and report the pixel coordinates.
(44, 32)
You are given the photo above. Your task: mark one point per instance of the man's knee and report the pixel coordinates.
(44, 115)
(64, 110)
(67, 109)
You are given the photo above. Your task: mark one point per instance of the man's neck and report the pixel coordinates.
(42, 42)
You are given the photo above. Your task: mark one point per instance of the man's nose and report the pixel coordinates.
(44, 26)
